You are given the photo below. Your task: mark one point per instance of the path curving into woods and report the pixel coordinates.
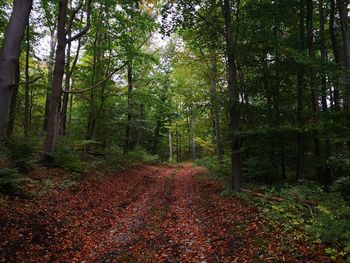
(147, 214)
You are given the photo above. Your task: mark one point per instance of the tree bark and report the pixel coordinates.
(50, 66)
(128, 138)
(170, 147)
(53, 127)
(177, 145)
(325, 180)
(14, 102)
(314, 95)
(216, 114)
(192, 136)
(343, 15)
(301, 89)
(234, 96)
(92, 114)
(139, 128)
(9, 56)
(66, 87)
(54, 113)
(27, 86)
(336, 52)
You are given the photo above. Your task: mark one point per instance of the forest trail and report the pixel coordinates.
(147, 214)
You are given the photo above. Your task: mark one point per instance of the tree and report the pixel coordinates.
(56, 93)
(233, 95)
(9, 56)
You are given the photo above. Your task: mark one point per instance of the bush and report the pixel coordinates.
(327, 221)
(260, 168)
(10, 183)
(67, 157)
(342, 185)
(214, 166)
(141, 156)
(21, 151)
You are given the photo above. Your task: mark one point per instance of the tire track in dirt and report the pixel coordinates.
(128, 232)
(186, 240)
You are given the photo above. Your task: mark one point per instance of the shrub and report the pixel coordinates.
(215, 166)
(21, 151)
(67, 157)
(327, 221)
(342, 185)
(259, 168)
(141, 156)
(10, 183)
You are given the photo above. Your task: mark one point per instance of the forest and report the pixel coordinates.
(175, 131)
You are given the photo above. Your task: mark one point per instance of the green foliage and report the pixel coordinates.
(10, 183)
(339, 162)
(7, 171)
(80, 156)
(141, 156)
(259, 168)
(342, 185)
(68, 156)
(21, 150)
(307, 211)
(216, 167)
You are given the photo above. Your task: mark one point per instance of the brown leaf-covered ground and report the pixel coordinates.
(147, 214)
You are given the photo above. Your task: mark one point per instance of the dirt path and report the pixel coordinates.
(148, 214)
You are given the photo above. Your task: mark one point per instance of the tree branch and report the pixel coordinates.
(70, 73)
(27, 82)
(98, 84)
(72, 18)
(86, 28)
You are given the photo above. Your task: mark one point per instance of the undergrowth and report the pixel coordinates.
(306, 212)
(11, 183)
(19, 157)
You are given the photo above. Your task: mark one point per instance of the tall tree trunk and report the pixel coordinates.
(9, 56)
(177, 145)
(301, 90)
(314, 95)
(234, 96)
(92, 114)
(156, 136)
(53, 127)
(128, 138)
(343, 15)
(66, 88)
(139, 129)
(192, 136)
(216, 115)
(336, 52)
(170, 144)
(54, 113)
(70, 108)
(13, 103)
(323, 50)
(27, 85)
(325, 180)
(50, 66)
